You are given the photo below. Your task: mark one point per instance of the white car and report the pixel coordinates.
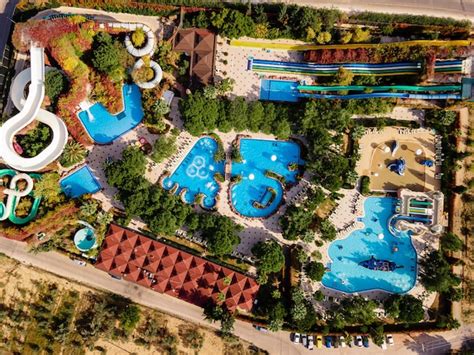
(342, 342)
(296, 338)
(390, 340)
(80, 262)
(304, 340)
(310, 342)
(358, 341)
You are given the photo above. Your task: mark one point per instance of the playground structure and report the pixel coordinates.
(398, 166)
(378, 264)
(380, 69)
(30, 109)
(7, 211)
(418, 211)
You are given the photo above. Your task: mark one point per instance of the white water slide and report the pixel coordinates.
(30, 109)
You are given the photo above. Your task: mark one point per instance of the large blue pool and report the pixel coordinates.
(373, 240)
(103, 127)
(279, 90)
(196, 173)
(80, 182)
(251, 196)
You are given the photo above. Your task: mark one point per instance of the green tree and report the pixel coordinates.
(163, 148)
(129, 318)
(405, 308)
(276, 316)
(73, 153)
(270, 258)
(138, 37)
(451, 242)
(199, 114)
(35, 140)
(327, 229)
(343, 77)
(359, 35)
(436, 273)
(221, 233)
(256, 115)
(377, 334)
(55, 83)
(454, 294)
(323, 37)
(314, 270)
(232, 23)
(48, 188)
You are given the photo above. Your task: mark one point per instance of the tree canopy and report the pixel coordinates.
(404, 308)
(315, 270)
(270, 258)
(451, 242)
(436, 274)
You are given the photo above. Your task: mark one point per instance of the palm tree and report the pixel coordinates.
(73, 153)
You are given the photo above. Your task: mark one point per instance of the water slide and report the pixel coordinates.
(30, 109)
(378, 69)
(414, 88)
(7, 211)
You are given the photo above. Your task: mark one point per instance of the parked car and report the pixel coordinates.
(261, 329)
(390, 340)
(296, 338)
(365, 341)
(358, 341)
(304, 340)
(115, 277)
(79, 262)
(310, 342)
(328, 342)
(342, 341)
(319, 341)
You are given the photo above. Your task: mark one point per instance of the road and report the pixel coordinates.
(274, 343)
(458, 9)
(7, 7)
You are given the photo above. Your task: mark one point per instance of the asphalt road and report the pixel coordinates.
(6, 11)
(459, 9)
(274, 343)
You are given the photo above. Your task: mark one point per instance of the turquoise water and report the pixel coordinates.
(279, 90)
(258, 156)
(196, 173)
(347, 276)
(80, 182)
(103, 127)
(84, 239)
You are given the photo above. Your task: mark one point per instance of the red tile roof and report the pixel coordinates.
(165, 269)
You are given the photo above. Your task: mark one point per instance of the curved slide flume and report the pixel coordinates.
(30, 109)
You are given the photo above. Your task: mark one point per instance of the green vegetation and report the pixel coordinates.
(214, 312)
(109, 56)
(451, 242)
(201, 115)
(315, 270)
(436, 274)
(73, 153)
(353, 311)
(163, 148)
(301, 315)
(138, 37)
(48, 188)
(404, 308)
(270, 259)
(129, 318)
(55, 84)
(365, 185)
(35, 140)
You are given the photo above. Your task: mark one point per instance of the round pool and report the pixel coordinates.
(84, 239)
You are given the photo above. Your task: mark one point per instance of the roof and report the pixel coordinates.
(165, 269)
(199, 44)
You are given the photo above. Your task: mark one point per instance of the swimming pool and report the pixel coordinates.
(279, 90)
(84, 239)
(80, 182)
(257, 195)
(375, 240)
(196, 174)
(103, 127)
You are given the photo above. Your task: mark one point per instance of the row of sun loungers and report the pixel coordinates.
(179, 154)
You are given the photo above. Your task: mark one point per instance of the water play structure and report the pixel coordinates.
(7, 210)
(30, 109)
(378, 264)
(398, 166)
(378, 69)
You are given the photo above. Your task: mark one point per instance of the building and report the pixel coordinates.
(199, 45)
(165, 269)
